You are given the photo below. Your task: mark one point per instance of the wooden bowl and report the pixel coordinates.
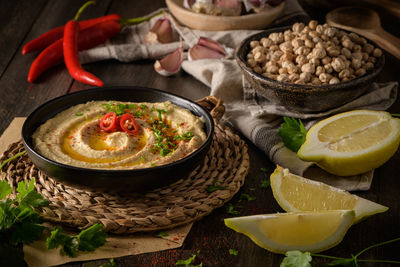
(299, 97)
(222, 23)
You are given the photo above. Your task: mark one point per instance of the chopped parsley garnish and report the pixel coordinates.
(189, 262)
(79, 114)
(143, 106)
(233, 252)
(230, 209)
(186, 136)
(142, 158)
(247, 197)
(265, 183)
(161, 234)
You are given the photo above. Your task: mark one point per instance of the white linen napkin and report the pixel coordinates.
(255, 117)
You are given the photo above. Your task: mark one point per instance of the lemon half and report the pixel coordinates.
(353, 142)
(305, 231)
(295, 193)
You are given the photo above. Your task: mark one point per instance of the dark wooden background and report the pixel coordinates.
(21, 21)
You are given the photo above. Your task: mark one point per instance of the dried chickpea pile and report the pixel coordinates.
(313, 54)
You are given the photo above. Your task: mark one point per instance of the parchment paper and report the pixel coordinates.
(37, 255)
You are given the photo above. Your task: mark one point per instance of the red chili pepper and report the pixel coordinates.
(109, 122)
(70, 50)
(128, 123)
(88, 38)
(53, 35)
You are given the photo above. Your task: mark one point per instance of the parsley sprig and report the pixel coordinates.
(87, 240)
(19, 222)
(292, 133)
(189, 262)
(297, 258)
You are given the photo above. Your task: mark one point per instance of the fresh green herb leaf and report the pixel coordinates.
(266, 170)
(233, 252)
(87, 240)
(110, 263)
(142, 158)
(92, 237)
(265, 184)
(12, 158)
(5, 189)
(79, 114)
(143, 106)
(395, 115)
(292, 133)
(296, 259)
(247, 197)
(214, 187)
(230, 209)
(161, 234)
(189, 262)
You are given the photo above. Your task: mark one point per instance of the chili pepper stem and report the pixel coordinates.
(133, 21)
(82, 8)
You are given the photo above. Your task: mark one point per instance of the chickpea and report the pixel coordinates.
(258, 69)
(344, 74)
(254, 44)
(300, 81)
(308, 43)
(251, 62)
(368, 48)
(360, 72)
(266, 42)
(272, 69)
(305, 76)
(309, 67)
(250, 55)
(297, 43)
(293, 69)
(287, 57)
(346, 52)
(319, 29)
(330, 32)
(337, 64)
(315, 81)
(314, 61)
(325, 77)
(294, 77)
(313, 24)
(286, 47)
(332, 51)
(283, 71)
(356, 63)
(357, 48)
(334, 80)
(377, 52)
(298, 27)
(369, 65)
(326, 60)
(283, 78)
(328, 68)
(259, 57)
(347, 43)
(313, 34)
(319, 70)
(372, 60)
(301, 60)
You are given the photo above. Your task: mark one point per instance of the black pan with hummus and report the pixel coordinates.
(166, 133)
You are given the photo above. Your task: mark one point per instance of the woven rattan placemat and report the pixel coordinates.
(187, 200)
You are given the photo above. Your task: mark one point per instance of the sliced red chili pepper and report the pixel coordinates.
(70, 50)
(128, 123)
(53, 35)
(109, 122)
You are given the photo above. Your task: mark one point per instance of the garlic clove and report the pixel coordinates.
(170, 64)
(161, 32)
(202, 52)
(206, 48)
(210, 43)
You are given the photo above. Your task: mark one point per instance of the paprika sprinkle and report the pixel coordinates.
(70, 50)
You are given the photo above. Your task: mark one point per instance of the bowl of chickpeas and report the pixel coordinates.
(309, 68)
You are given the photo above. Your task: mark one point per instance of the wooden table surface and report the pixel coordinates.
(21, 21)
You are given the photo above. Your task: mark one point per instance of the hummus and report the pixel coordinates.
(166, 133)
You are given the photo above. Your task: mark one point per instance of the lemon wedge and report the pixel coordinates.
(294, 193)
(353, 142)
(305, 231)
